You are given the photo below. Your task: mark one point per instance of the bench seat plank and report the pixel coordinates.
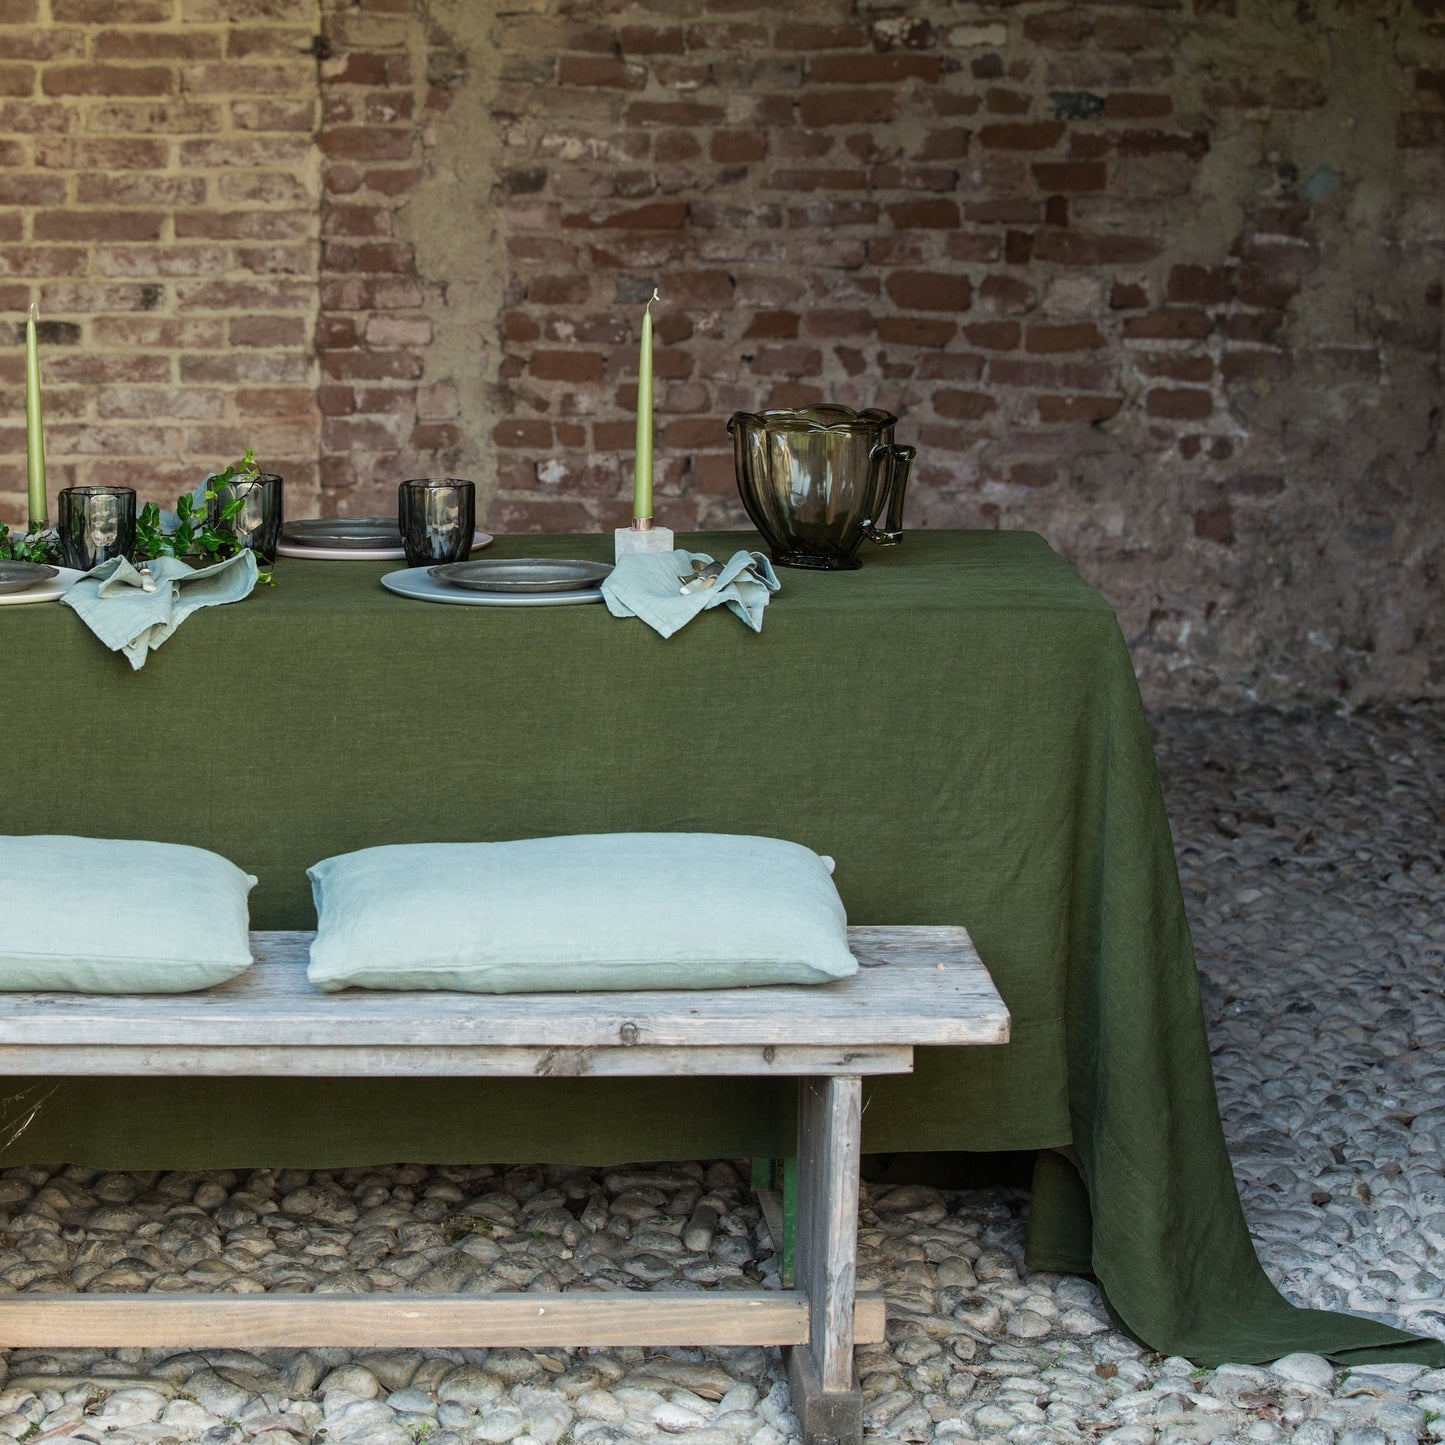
(915, 986)
(383, 1061)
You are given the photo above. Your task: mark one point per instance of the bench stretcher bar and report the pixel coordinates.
(374, 1321)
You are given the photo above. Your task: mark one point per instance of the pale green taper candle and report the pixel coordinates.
(34, 438)
(642, 477)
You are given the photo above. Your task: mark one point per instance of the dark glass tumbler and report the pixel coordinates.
(257, 526)
(438, 519)
(96, 524)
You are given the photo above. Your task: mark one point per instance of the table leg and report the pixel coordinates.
(824, 1381)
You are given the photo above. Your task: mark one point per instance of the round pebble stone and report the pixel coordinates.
(1303, 1369)
(470, 1386)
(353, 1380)
(499, 1425)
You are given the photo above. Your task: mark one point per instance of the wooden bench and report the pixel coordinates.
(916, 986)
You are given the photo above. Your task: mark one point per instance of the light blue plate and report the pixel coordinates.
(418, 583)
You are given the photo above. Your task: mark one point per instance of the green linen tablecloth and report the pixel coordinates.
(957, 724)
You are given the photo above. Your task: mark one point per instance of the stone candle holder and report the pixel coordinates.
(628, 541)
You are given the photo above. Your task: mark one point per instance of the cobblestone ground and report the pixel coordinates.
(1310, 847)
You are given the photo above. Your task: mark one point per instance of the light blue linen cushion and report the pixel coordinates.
(111, 915)
(591, 912)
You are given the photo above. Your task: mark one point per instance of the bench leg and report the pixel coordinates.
(821, 1374)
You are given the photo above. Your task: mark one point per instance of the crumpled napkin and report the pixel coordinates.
(111, 600)
(648, 585)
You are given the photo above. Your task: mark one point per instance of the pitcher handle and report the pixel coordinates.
(899, 463)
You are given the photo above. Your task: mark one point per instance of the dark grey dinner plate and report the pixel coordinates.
(21, 576)
(522, 574)
(356, 532)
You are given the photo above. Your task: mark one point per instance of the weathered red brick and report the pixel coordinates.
(999, 101)
(17, 80)
(107, 80)
(1215, 524)
(673, 112)
(1192, 144)
(599, 70)
(1200, 285)
(1132, 32)
(282, 152)
(651, 40)
(367, 143)
(1006, 295)
(282, 115)
(891, 69)
(788, 360)
(574, 366)
(945, 145)
(285, 41)
(297, 402)
(78, 225)
(91, 370)
(527, 432)
(923, 215)
(249, 225)
(949, 366)
(1059, 29)
(809, 35)
(1050, 375)
(372, 256)
(930, 291)
(31, 190)
(737, 147)
(832, 322)
(112, 12)
(1177, 366)
(658, 216)
(1135, 105)
(1170, 324)
(242, 295)
(1038, 135)
(847, 107)
(1070, 175)
(980, 246)
(1005, 210)
(963, 405)
(268, 331)
(1179, 403)
(1076, 408)
(65, 153)
(773, 325)
(132, 188)
(916, 331)
(1078, 336)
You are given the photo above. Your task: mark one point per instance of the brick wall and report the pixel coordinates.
(1159, 279)
(158, 197)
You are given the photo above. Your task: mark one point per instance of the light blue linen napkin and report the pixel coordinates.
(111, 600)
(649, 585)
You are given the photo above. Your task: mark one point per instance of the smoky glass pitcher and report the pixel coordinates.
(817, 480)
